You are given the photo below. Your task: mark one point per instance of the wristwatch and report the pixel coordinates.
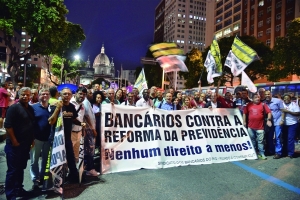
(269, 119)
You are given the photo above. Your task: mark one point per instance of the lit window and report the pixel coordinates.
(260, 34)
(23, 33)
(268, 31)
(236, 27)
(278, 27)
(261, 3)
(278, 16)
(268, 42)
(278, 4)
(260, 24)
(179, 15)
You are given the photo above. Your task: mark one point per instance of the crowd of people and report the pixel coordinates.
(29, 117)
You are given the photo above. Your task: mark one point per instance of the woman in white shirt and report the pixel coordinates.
(291, 111)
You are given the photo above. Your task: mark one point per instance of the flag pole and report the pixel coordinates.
(175, 84)
(163, 80)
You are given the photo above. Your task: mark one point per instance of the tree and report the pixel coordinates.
(195, 66)
(38, 18)
(286, 53)
(256, 69)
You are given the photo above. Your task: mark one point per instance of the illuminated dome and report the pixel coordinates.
(102, 65)
(101, 59)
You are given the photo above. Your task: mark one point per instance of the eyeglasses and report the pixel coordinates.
(110, 93)
(67, 94)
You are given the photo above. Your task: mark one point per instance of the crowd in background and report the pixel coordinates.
(29, 117)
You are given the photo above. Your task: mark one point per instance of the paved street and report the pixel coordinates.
(249, 179)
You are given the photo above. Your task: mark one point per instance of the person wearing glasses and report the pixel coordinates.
(69, 115)
(110, 97)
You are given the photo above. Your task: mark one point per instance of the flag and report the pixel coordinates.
(141, 82)
(241, 56)
(58, 154)
(172, 63)
(165, 49)
(247, 82)
(80, 163)
(210, 65)
(236, 65)
(215, 52)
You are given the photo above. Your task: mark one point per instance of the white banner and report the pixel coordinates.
(134, 138)
(58, 156)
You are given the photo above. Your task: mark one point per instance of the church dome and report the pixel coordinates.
(101, 59)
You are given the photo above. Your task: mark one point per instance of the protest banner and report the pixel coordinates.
(134, 138)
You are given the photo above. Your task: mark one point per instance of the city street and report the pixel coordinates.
(249, 179)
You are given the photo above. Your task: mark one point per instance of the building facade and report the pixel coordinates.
(184, 23)
(264, 19)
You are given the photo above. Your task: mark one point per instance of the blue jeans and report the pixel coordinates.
(270, 140)
(16, 159)
(39, 147)
(257, 136)
(289, 132)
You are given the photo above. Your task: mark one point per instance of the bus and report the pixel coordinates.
(277, 88)
(222, 90)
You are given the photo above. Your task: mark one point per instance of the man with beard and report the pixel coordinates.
(19, 126)
(110, 97)
(129, 101)
(34, 97)
(275, 105)
(145, 101)
(198, 100)
(80, 109)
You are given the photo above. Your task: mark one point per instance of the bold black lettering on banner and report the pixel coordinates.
(58, 157)
(131, 136)
(170, 136)
(58, 140)
(136, 117)
(207, 120)
(110, 154)
(237, 120)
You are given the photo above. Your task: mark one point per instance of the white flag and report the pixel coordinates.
(172, 63)
(210, 65)
(247, 82)
(236, 65)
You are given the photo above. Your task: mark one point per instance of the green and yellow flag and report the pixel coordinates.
(243, 52)
(215, 52)
(165, 49)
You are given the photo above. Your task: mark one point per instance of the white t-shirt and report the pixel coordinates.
(143, 103)
(291, 119)
(213, 105)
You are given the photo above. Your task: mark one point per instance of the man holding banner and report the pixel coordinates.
(69, 116)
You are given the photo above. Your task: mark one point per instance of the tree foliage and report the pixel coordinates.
(195, 66)
(286, 53)
(45, 22)
(256, 69)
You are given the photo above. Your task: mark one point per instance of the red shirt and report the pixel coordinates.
(198, 104)
(225, 103)
(4, 98)
(256, 115)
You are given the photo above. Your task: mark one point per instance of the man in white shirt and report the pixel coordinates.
(77, 130)
(145, 101)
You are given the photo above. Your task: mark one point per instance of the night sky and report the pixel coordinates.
(124, 26)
